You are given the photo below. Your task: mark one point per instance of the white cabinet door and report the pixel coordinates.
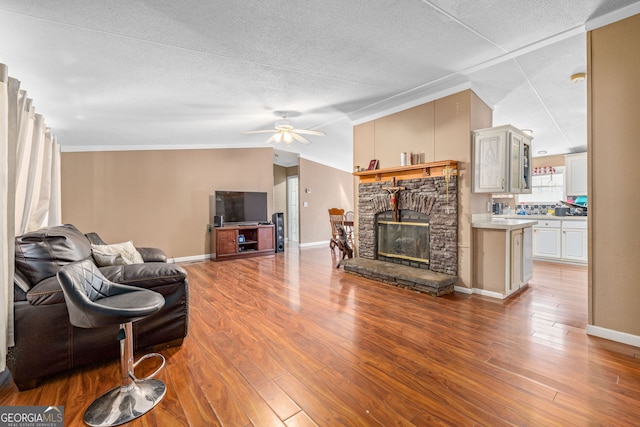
(490, 162)
(576, 174)
(527, 255)
(574, 244)
(516, 260)
(519, 163)
(546, 242)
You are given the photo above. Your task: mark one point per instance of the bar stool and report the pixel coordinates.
(94, 302)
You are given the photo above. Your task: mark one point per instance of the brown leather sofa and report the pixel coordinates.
(45, 341)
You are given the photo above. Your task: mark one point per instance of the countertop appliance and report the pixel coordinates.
(575, 209)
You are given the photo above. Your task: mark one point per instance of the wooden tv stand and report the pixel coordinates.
(226, 242)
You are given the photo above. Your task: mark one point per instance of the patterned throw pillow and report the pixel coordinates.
(116, 254)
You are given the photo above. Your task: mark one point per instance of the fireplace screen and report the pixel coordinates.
(404, 240)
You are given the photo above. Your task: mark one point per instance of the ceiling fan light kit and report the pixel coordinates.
(578, 77)
(285, 131)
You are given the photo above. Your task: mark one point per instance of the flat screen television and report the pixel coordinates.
(242, 207)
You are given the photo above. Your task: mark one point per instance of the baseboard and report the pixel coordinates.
(610, 334)
(306, 245)
(203, 257)
(477, 291)
(463, 290)
(486, 293)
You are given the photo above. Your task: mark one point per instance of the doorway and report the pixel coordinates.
(292, 208)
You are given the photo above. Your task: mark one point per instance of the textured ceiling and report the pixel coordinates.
(136, 74)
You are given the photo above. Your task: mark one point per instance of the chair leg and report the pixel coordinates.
(134, 397)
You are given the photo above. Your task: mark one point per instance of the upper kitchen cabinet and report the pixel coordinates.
(501, 160)
(576, 174)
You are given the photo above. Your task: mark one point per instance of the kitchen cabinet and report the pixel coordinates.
(547, 240)
(576, 174)
(516, 260)
(503, 256)
(574, 241)
(501, 160)
(561, 240)
(521, 258)
(527, 254)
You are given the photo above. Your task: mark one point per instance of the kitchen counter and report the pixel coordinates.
(503, 223)
(543, 217)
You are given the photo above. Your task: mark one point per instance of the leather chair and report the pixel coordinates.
(95, 302)
(46, 343)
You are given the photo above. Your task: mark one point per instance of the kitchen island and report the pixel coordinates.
(503, 254)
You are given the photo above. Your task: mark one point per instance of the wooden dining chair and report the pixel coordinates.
(336, 217)
(348, 225)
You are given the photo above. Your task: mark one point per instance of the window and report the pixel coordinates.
(545, 188)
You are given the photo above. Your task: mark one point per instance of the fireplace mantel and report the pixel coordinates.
(422, 170)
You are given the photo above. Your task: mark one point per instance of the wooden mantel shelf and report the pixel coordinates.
(422, 170)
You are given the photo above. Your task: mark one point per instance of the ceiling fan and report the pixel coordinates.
(284, 130)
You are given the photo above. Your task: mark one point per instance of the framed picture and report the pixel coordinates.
(373, 164)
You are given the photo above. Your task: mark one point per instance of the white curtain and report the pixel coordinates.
(29, 187)
(6, 229)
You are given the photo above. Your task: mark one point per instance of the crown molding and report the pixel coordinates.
(611, 17)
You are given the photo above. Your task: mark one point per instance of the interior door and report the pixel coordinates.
(293, 209)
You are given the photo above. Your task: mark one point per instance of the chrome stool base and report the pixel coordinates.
(125, 403)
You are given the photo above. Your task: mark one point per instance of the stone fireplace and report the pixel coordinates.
(408, 224)
(433, 197)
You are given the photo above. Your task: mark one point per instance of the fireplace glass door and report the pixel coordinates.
(404, 240)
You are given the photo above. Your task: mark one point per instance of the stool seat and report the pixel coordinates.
(131, 306)
(95, 302)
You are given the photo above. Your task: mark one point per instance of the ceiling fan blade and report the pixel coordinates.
(300, 138)
(271, 139)
(259, 131)
(309, 132)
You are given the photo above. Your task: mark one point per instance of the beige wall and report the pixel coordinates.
(455, 117)
(442, 131)
(330, 188)
(557, 160)
(614, 155)
(158, 198)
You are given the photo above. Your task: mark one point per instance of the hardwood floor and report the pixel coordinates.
(290, 340)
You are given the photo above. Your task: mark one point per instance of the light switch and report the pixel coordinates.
(305, 204)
